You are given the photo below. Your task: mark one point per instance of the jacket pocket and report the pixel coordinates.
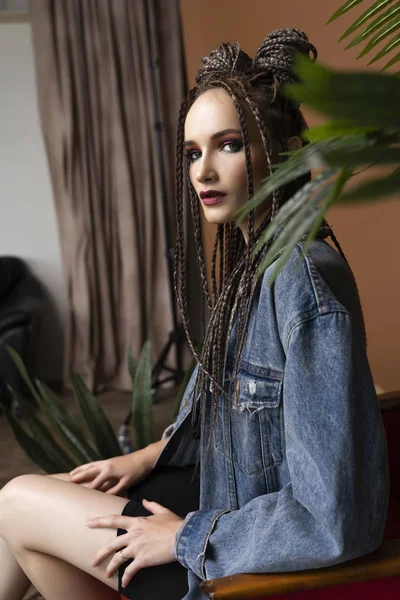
(250, 432)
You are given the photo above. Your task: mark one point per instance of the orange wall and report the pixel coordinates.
(368, 234)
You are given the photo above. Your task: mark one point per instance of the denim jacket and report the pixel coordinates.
(298, 476)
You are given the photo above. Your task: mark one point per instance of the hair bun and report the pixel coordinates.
(225, 61)
(276, 55)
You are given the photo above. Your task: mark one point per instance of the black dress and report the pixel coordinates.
(178, 489)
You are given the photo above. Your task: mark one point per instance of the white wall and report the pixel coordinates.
(28, 226)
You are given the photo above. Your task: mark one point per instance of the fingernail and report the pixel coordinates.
(89, 523)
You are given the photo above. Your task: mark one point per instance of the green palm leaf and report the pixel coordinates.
(142, 399)
(305, 200)
(300, 163)
(391, 62)
(344, 9)
(375, 189)
(296, 227)
(96, 421)
(342, 95)
(390, 28)
(360, 156)
(368, 14)
(376, 25)
(391, 45)
(337, 129)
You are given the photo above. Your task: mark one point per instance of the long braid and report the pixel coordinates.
(194, 205)
(222, 246)
(255, 84)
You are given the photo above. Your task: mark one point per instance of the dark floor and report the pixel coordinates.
(13, 460)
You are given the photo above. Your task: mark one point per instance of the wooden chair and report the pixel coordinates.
(372, 577)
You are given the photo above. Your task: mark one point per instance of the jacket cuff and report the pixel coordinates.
(193, 537)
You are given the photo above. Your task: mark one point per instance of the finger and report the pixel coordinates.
(131, 571)
(101, 478)
(111, 522)
(117, 488)
(80, 468)
(83, 475)
(106, 486)
(155, 508)
(117, 561)
(116, 544)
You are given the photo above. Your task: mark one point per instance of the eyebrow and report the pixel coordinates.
(214, 136)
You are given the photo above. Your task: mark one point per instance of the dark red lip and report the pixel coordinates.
(211, 194)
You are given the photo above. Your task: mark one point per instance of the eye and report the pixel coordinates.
(193, 155)
(232, 146)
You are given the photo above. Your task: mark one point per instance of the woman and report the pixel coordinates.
(281, 410)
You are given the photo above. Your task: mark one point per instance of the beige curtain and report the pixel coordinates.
(97, 113)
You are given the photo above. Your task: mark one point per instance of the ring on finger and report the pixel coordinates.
(124, 558)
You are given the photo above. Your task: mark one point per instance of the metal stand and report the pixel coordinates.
(176, 336)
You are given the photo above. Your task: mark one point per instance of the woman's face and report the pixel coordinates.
(213, 141)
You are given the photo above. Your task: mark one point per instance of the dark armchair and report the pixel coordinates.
(21, 302)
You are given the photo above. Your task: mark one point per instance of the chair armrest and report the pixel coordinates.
(389, 400)
(11, 318)
(384, 562)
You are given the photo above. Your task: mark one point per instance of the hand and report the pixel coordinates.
(149, 541)
(113, 475)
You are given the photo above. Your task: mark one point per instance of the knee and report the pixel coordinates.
(14, 496)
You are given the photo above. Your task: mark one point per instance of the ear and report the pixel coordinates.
(294, 143)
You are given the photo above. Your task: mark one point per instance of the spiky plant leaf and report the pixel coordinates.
(132, 365)
(32, 448)
(376, 25)
(23, 372)
(96, 421)
(142, 410)
(67, 429)
(344, 9)
(366, 15)
(43, 436)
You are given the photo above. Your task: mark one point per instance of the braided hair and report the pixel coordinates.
(255, 85)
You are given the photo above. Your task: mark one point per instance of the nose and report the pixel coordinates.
(205, 170)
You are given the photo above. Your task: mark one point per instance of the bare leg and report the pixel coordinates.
(54, 525)
(55, 578)
(14, 583)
